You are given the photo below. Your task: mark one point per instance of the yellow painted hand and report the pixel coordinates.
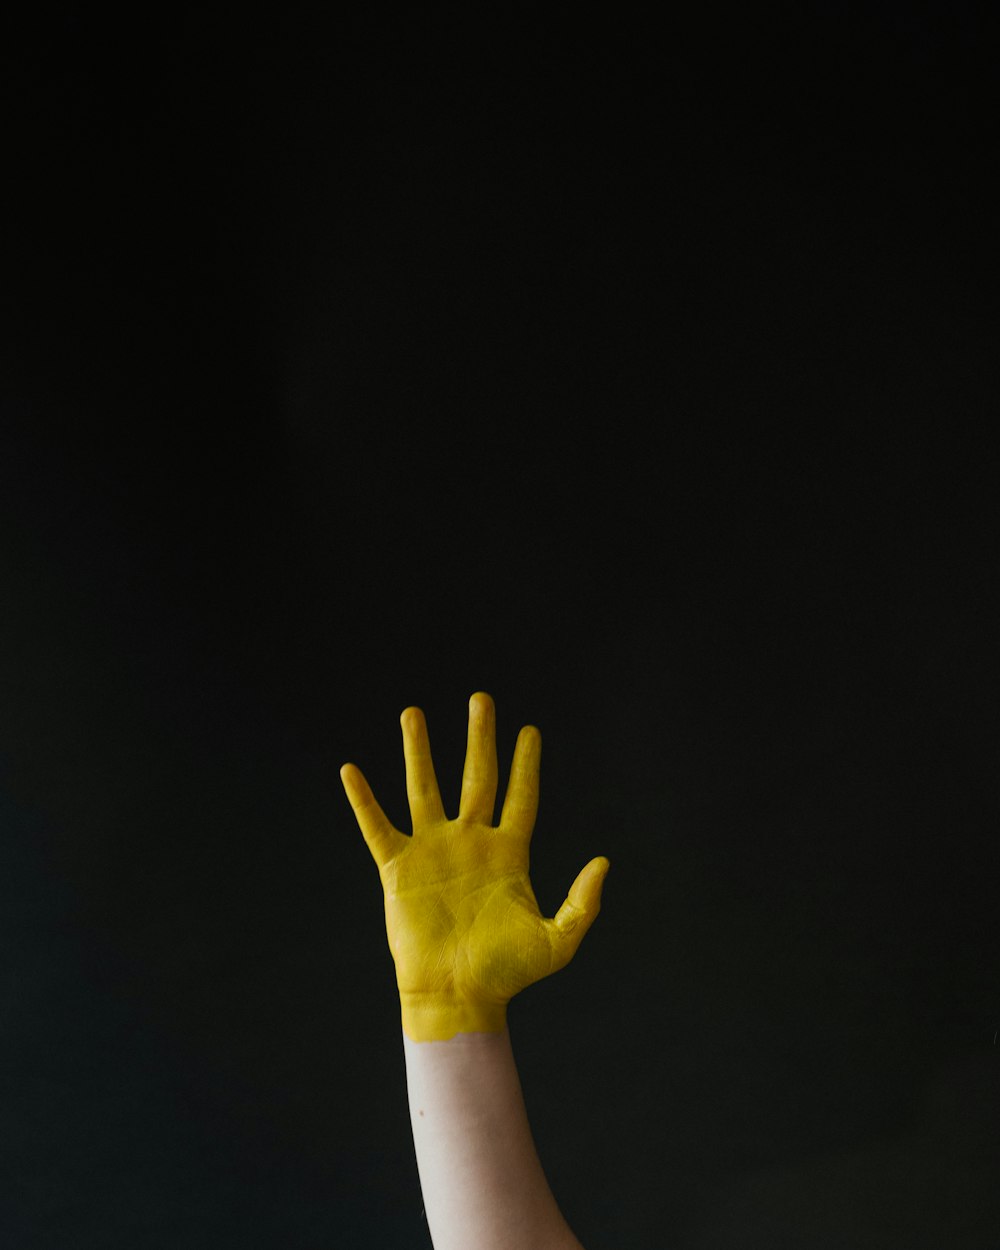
(464, 927)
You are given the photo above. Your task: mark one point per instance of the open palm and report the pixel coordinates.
(461, 917)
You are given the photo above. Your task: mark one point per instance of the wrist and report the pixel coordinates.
(438, 1018)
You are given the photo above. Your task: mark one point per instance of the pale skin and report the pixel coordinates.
(466, 934)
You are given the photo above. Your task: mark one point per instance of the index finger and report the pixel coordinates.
(520, 807)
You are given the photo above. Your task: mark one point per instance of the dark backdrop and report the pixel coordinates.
(642, 374)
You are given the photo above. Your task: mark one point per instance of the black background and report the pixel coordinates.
(639, 370)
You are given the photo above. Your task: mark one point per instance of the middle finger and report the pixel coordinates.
(479, 779)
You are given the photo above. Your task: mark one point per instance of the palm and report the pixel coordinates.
(461, 916)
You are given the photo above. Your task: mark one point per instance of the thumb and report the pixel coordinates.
(580, 909)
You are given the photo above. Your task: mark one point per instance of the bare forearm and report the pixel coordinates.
(480, 1174)
(466, 935)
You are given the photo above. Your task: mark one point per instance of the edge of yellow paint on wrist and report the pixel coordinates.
(427, 1018)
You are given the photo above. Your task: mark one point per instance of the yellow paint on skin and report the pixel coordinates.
(464, 927)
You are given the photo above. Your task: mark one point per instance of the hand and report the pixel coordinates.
(464, 927)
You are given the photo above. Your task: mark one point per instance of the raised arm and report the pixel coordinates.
(466, 934)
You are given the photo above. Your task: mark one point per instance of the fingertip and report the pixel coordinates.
(409, 718)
